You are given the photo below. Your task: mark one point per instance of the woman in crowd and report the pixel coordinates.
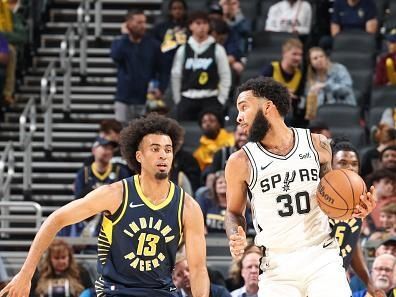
(59, 274)
(327, 83)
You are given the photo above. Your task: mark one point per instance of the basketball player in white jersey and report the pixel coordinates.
(279, 170)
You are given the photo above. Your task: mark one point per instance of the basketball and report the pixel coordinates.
(339, 192)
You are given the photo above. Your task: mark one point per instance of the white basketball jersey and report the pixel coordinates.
(286, 215)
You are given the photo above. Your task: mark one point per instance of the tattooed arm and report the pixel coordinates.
(235, 222)
(322, 146)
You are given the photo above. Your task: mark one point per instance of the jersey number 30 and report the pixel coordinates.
(301, 205)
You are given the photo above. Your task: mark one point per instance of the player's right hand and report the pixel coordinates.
(237, 243)
(18, 287)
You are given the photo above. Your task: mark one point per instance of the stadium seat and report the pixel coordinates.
(339, 115)
(374, 116)
(383, 96)
(354, 61)
(192, 135)
(258, 58)
(249, 73)
(274, 40)
(356, 135)
(355, 41)
(362, 82)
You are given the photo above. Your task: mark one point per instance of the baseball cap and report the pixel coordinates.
(103, 141)
(391, 36)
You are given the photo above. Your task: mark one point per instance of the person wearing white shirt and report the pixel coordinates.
(292, 16)
(249, 264)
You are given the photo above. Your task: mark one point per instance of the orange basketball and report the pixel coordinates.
(339, 192)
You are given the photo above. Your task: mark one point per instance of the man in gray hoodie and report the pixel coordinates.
(201, 76)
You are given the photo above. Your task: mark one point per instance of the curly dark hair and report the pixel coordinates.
(265, 87)
(132, 135)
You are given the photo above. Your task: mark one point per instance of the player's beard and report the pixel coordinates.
(259, 127)
(161, 175)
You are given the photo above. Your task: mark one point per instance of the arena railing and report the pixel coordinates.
(7, 165)
(27, 126)
(82, 24)
(67, 51)
(98, 19)
(48, 90)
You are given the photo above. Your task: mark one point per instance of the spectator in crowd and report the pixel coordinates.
(4, 57)
(347, 233)
(327, 83)
(355, 15)
(184, 163)
(293, 16)
(201, 76)
(221, 156)
(214, 206)
(388, 158)
(17, 37)
(383, 136)
(59, 274)
(319, 127)
(101, 171)
(224, 36)
(172, 32)
(384, 182)
(387, 246)
(249, 267)
(138, 60)
(288, 72)
(389, 117)
(91, 176)
(387, 222)
(385, 68)
(214, 137)
(181, 279)
(234, 17)
(110, 130)
(382, 275)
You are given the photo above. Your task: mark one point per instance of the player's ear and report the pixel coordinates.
(138, 156)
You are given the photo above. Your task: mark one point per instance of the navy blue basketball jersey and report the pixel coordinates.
(137, 245)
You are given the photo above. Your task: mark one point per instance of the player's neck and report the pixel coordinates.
(156, 190)
(279, 139)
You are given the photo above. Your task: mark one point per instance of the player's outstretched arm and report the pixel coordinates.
(237, 172)
(194, 234)
(102, 199)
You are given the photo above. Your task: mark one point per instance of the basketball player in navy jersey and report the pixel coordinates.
(146, 217)
(347, 233)
(279, 170)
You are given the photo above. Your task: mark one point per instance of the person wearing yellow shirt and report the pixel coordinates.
(214, 138)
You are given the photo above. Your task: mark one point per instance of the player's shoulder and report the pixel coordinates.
(238, 157)
(191, 207)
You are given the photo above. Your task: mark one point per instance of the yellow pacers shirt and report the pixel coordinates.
(208, 147)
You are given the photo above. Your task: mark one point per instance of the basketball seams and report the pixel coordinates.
(338, 194)
(350, 185)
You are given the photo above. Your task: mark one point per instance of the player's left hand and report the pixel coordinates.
(368, 201)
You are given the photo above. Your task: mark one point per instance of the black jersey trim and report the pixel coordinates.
(253, 166)
(312, 147)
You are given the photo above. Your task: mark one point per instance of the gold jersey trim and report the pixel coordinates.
(147, 200)
(125, 202)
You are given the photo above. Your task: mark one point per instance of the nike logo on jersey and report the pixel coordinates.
(172, 289)
(328, 243)
(131, 205)
(263, 167)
